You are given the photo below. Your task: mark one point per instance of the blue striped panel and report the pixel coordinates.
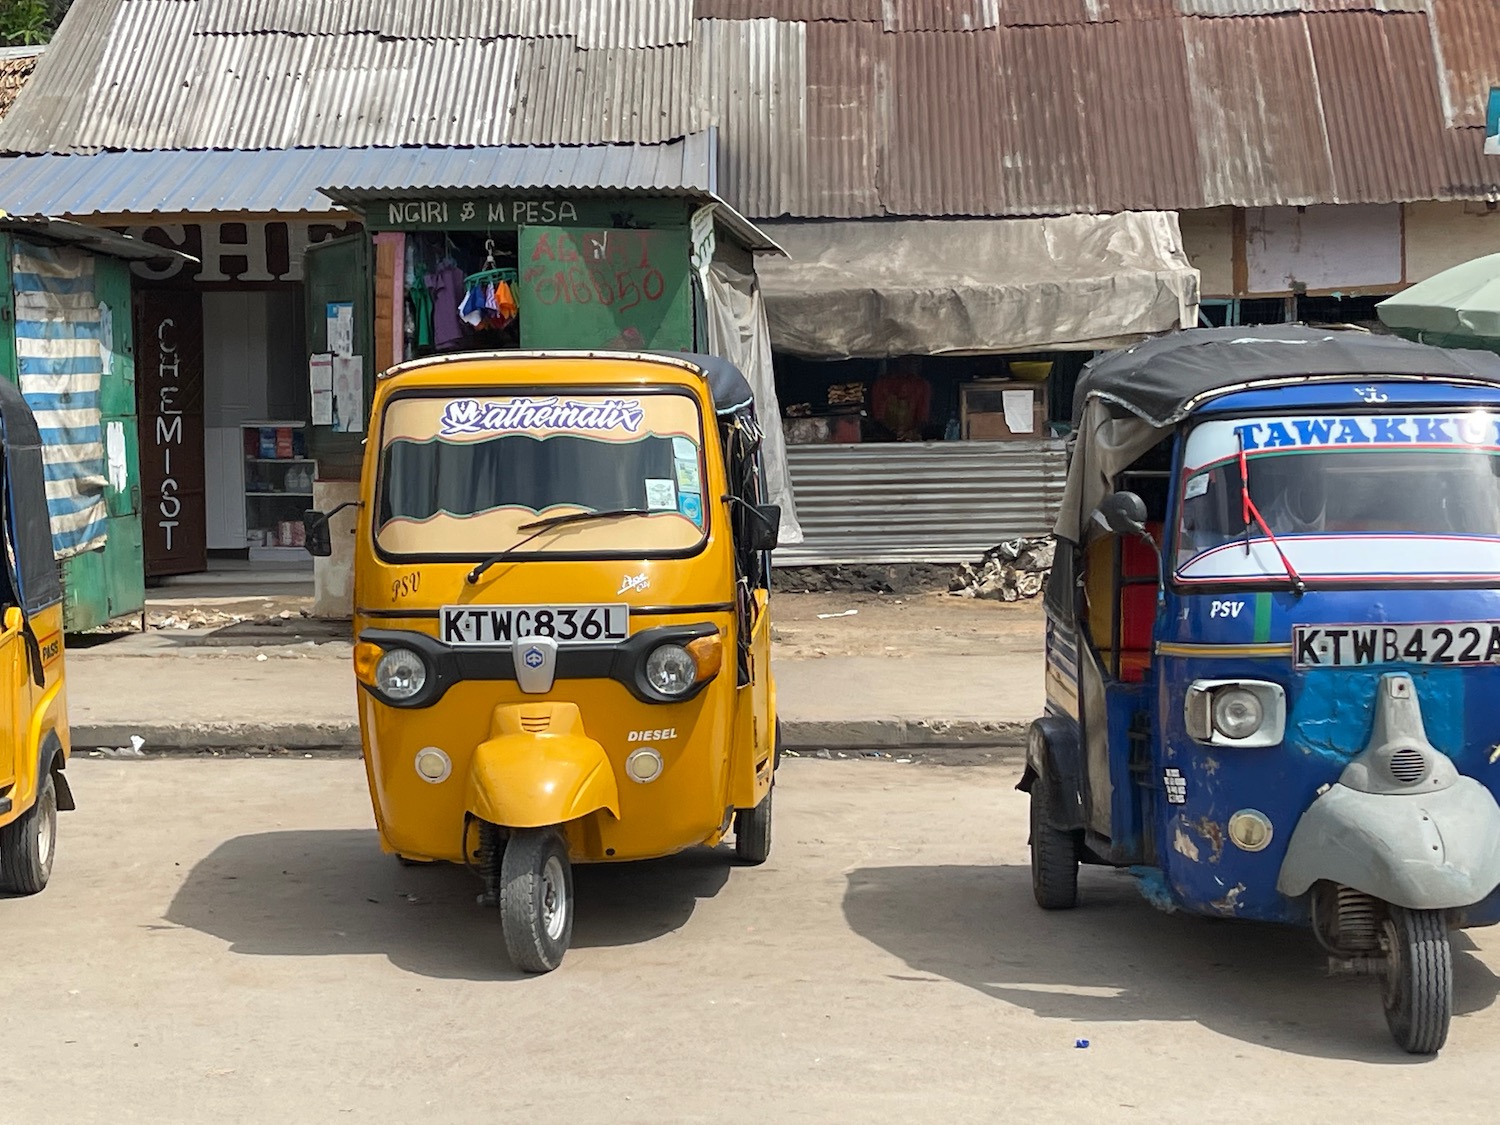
(72, 542)
(73, 365)
(73, 435)
(57, 330)
(40, 283)
(71, 400)
(54, 289)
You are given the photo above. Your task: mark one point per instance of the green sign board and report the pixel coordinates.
(605, 288)
(513, 212)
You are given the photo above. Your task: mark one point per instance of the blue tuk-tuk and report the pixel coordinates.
(1273, 645)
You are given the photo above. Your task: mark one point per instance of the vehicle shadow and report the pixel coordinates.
(1117, 958)
(317, 893)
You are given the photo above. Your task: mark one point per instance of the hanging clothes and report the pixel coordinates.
(446, 286)
(421, 302)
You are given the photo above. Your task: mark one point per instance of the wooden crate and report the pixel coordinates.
(982, 410)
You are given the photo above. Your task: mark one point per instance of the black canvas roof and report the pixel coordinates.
(26, 501)
(1161, 380)
(728, 385)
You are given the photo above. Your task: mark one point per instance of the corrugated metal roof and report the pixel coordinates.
(1366, 60)
(590, 23)
(564, 96)
(1468, 44)
(828, 108)
(940, 15)
(1256, 112)
(92, 238)
(752, 76)
(843, 142)
(796, 10)
(305, 180)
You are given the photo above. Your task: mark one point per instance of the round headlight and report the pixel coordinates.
(671, 670)
(1237, 712)
(400, 674)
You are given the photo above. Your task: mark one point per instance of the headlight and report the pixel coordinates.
(1245, 713)
(400, 674)
(671, 670)
(1237, 712)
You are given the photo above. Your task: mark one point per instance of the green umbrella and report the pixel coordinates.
(1458, 308)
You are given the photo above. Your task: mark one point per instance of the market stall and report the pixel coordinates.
(575, 254)
(925, 368)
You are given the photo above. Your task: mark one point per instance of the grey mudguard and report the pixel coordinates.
(1424, 851)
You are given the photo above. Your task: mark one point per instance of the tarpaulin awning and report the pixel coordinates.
(953, 286)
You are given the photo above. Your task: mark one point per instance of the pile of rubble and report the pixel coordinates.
(1007, 573)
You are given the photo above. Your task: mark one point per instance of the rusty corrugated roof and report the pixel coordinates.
(827, 108)
(1468, 40)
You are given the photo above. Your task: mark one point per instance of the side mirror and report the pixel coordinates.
(317, 540)
(1123, 513)
(764, 530)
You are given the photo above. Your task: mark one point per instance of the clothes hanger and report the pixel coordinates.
(490, 272)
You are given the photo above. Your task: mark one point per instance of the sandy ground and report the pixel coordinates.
(806, 624)
(223, 942)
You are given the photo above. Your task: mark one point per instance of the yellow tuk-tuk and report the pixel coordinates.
(34, 743)
(561, 569)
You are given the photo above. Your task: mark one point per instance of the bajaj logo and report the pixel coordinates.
(533, 658)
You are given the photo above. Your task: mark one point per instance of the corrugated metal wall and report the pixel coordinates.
(939, 502)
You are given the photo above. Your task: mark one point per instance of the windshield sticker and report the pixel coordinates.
(1417, 429)
(1196, 486)
(684, 450)
(691, 505)
(661, 494)
(537, 415)
(687, 476)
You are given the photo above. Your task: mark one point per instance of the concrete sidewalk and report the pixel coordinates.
(182, 695)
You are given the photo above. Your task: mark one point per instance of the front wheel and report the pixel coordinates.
(752, 832)
(1054, 856)
(27, 843)
(536, 899)
(1418, 979)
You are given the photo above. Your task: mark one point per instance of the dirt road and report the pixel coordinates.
(223, 942)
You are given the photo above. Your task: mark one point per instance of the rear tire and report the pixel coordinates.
(28, 842)
(536, 899)
(1418, 979)
(1054, 856)
(752, 832)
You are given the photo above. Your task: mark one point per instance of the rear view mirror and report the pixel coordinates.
(318, 541)
(764, 527)
(14, 619)
(1123, 513)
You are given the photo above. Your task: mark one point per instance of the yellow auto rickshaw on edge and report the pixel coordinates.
(34, 742)
(562, 638)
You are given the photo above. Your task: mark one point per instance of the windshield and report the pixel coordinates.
(1348, 497)
(460, 475)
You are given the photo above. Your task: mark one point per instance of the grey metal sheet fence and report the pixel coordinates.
(938, 502)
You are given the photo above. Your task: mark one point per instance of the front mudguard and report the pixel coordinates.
(1423, 851)
(531, 775)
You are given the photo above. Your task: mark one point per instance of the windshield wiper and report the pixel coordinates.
(537, 527)
(1250, 511)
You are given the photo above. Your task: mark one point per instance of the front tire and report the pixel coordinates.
(1418, 979)
(752, 832)
(1054, 856)
(28, 842)
(536, 899)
